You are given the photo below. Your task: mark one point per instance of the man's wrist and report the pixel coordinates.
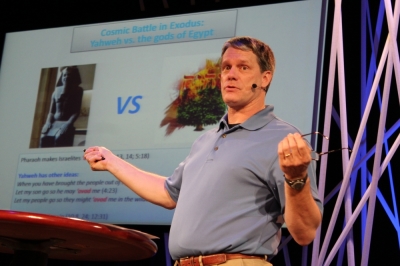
(296, 183)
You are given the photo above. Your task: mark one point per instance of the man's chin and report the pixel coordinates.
(229, 102)
(230, 99)
(233, 104)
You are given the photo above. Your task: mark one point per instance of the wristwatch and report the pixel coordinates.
(298, 183)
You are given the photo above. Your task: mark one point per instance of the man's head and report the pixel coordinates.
(247, 67)
(69, 76)
(264, 54)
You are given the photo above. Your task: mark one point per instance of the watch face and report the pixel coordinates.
(298, 184)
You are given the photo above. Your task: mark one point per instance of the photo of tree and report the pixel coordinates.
(199, 102)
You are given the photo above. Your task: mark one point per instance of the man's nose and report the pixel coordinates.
(232, 73)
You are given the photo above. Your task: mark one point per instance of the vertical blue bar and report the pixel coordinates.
(166, 250)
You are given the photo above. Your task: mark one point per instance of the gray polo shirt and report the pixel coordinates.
(230, 190)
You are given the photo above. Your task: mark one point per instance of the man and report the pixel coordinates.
(230, 192)
(65, 106)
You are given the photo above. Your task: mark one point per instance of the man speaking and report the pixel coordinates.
(241, 181)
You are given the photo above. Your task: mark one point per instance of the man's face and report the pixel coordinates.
(66, 76)
(239, 71)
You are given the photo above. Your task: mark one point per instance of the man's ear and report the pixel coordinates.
(266, 78)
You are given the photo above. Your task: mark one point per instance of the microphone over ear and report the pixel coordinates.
(254, 86)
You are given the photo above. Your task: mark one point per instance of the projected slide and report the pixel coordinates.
(145, 89)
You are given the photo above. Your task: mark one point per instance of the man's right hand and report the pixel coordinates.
(98, 157)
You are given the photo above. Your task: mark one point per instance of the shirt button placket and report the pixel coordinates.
(216, 147)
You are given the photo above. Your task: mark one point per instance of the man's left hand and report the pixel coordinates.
(294, 156)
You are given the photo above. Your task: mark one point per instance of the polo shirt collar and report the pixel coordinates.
(257, 121)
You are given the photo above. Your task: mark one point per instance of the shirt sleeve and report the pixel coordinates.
(173, 183)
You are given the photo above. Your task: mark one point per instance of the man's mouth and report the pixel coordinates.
(230, 87)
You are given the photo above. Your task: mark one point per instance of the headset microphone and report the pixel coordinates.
(254, 86)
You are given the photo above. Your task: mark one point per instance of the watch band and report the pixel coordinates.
(297, 183)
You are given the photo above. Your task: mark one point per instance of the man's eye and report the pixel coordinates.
(244, 68)
(226, 68)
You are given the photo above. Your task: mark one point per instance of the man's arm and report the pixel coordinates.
(302, 215)
(147, 185)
